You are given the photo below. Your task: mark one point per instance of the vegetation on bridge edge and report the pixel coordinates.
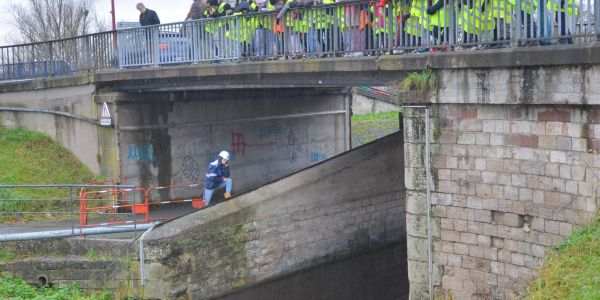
(572, 269)
(28, 157)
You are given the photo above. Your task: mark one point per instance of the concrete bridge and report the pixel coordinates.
(512, 139)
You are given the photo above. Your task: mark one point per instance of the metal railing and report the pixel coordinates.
(345, 28)
(45, 211)
(58, 58)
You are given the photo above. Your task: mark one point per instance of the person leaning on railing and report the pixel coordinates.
(149, 17)
(569, 10)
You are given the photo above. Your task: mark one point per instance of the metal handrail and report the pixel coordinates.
(352, 28)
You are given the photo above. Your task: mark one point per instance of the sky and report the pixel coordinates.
(168, 11)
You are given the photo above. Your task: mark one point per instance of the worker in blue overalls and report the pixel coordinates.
(217, 176)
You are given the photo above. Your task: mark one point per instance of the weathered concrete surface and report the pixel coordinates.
(94, 145)
(379, 274)
(337, 208)
(169, 138)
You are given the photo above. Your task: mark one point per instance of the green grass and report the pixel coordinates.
(6, 256)
(17, 289)
(375, 117)
(369, 127)
(572, 269)
(28, 157)
(421, 82)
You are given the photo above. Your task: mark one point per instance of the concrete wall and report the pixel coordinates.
(337, 208)
(515, 158)
(365, 105)
(379, 274)
(170, 138)
(94, 145)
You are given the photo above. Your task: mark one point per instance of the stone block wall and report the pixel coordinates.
(93, 264)
(509, 181)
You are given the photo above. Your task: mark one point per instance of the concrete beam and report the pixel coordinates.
(336, 72)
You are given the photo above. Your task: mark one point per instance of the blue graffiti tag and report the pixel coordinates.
(316, 156)
(268, 131)
(143, 153)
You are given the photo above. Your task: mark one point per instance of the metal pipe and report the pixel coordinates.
(49, 111)
(206, 124)
(143, 278)
(68, 233)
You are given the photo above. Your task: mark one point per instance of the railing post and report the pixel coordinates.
(597, 19)
(155, 51)
(72, 207)
(519, 22)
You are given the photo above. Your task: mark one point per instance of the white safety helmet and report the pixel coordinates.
(224, 154)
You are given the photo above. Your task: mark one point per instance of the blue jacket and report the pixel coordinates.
(214, 175)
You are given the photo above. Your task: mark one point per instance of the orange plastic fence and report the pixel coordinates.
(120, 201)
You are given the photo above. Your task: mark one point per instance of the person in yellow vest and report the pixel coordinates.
(310, 19)
(217, 27)
(439, 19)
(259, 42)
(527, 9)
(566, 18)
(352, 33)
(380, 25)
(499, 12)
(327, 30)
(293, 21)
(400, 9)
(417, 24)
(277, 27)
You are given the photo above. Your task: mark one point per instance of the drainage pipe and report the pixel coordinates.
(142, 253)
(69, 232)
(427, 158)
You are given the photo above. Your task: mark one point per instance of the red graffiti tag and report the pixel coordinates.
(238, 143)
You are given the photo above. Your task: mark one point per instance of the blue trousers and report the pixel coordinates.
(227, 184)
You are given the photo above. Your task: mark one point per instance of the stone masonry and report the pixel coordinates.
(510, 179)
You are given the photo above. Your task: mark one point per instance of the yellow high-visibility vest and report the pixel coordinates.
(572, 7)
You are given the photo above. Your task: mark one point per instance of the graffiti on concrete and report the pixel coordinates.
(195, 147)
(317, 156)
(190, 169)
(142, 153)
(269, 131)
(238, 143)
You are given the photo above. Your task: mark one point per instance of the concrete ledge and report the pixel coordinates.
(45, 83)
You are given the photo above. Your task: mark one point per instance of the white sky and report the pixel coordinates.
(168, 11)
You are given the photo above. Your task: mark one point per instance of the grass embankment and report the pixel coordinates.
(369, 127)
(28, 157)
(572, 269)
(17, 289)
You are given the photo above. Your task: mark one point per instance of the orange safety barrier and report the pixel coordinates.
(177, 194)
(119, 199)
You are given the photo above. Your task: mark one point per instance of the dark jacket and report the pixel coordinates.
(214, 174)
(149, 18)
